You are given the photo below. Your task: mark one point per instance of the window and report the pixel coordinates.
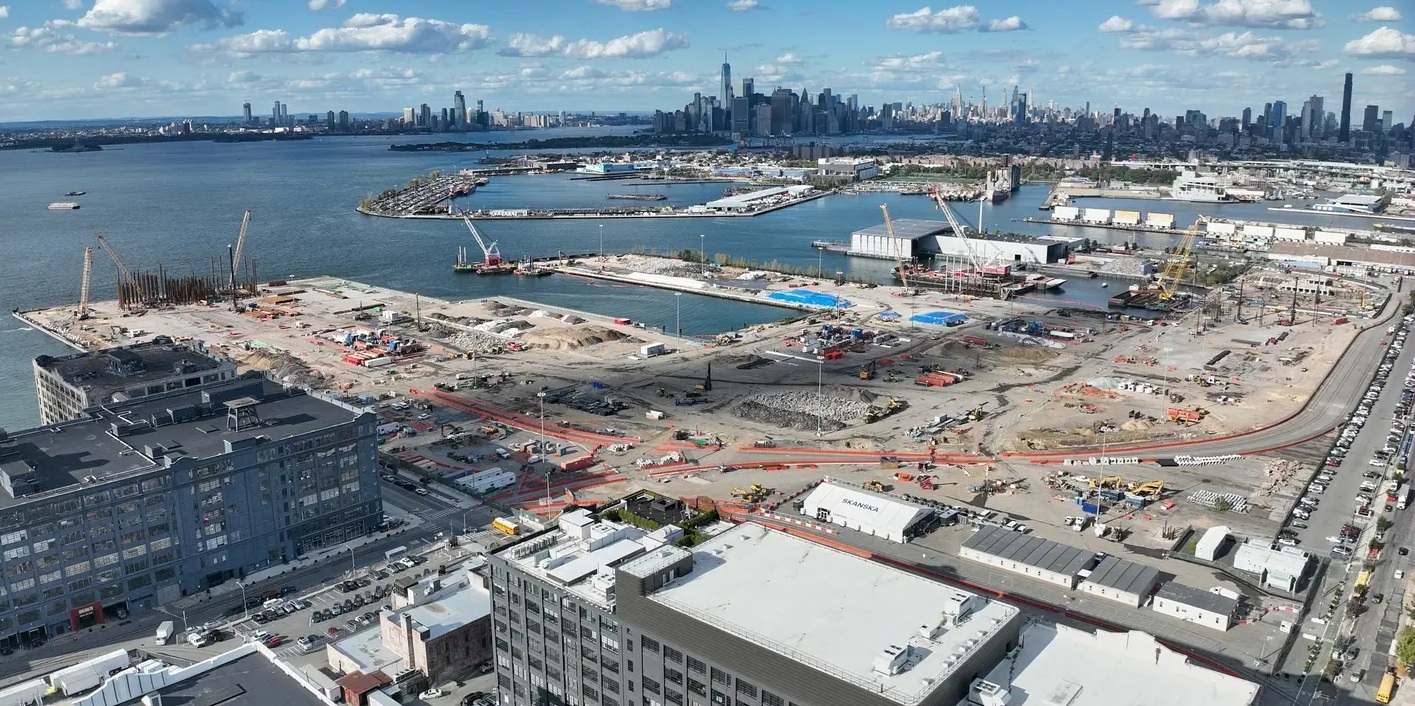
(720, 677)
(651, 686)
(697, 687)
(650, 644)
(672, 676)
(747, 689)
(770, 699)
(697, 665)
(671, 655)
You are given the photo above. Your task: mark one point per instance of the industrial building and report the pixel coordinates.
(67, 385)
(147, 501)
(1277, 567)
(863, 511)
(593, 611)
(1041, 559)
(439, 627)
(1212, 610)
(920, 239)
(1211, 542)
(1056, 664)
(846, 169)
(760, 198)
(1121, 580)
(1344, 258)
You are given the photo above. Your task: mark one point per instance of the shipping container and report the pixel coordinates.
(578, 464)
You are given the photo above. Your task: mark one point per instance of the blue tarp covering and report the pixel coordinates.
(939, 318)
(810, 298)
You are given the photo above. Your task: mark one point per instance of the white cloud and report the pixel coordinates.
(318, 5)
(156, 17)
(46, 39)
(958, 18)
(633, 46)
(952, 19)
(1384, 42)
(745, 5)
(638, 5)
(1011, 24)
(1232, 45)
(917, 62)
(362, 32)
(522, 44)
(1116, 24)
(1275, 14)
(1383, 70)
(1378, 14)
(790, 59)
(73, 4)
(4, 11)
(118, 80)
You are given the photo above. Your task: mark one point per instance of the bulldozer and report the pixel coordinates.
(975, 414)
(874, 486)
(1109, 482)
(867, 371)
(1148, 489)
(752, 494)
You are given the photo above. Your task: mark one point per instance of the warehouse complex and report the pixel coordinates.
(863, 511)
(1041, 559)
(142, 502)
(913, 238)
(67, 385)
(593, 611)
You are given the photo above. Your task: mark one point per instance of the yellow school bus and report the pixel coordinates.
(1387, 688)
(506, 526)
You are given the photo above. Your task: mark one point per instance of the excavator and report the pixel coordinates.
(1109, 482)
(1148, 489)
(874, 486)
(867, 371)
(752, 494)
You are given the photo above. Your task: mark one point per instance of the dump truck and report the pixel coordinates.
(1179, 415)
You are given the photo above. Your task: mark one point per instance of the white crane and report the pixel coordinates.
(898, 257)
(82, 312)
(491, 257)
(240, 250)
(960, 231)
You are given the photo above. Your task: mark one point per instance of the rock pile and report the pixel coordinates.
(802, 410)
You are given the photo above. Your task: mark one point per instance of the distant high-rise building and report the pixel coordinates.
(741, 116)
(246, 112)
(284, 114)
(1247, 117)
(424, 115)
(1019, 108)
(275, 114)
(329, 120)
(726, 97)
(408, 117)
(762, 124)
(343, 120)
(1277, 120)
(1387, 120)
(459, 111)
(1312, 127)
(1344, 132)
(748, 89)
(1371, 123)
(781, 111)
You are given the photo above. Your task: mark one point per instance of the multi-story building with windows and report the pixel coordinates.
(67, 385)
(597, 613)
(143, 502)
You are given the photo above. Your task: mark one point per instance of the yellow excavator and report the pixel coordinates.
(752, 494)
(874, 485)
(1109, 482)
(1148, 489)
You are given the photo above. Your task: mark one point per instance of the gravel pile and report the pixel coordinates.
(1124, 266)
(661, 266)
(802, 410)
(476, 341)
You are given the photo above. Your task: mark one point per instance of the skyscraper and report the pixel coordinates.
(726, 97)
(1387, 120)
(1313, 128)
(1247, 117)
(1277, 120)
(748, 89)
(459, 111)
(1371, 123)
(1344, 134)
(246, 112)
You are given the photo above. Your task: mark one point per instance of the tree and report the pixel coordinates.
(1382, 524)
(1405, 646)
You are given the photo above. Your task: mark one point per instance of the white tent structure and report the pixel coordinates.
(1211, 541)
(863, 511)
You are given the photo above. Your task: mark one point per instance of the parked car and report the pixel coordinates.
(332, 633)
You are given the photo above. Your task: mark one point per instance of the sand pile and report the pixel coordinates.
(569, 339)
(1027, 354)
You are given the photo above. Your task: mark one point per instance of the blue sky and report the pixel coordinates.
(116, 58)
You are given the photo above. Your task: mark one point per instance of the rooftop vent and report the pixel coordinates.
(892, 660)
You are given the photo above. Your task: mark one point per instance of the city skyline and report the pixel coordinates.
(114, 58)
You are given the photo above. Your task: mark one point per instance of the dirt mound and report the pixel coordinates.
(1026, 354)
(569, 339)
(1136, 425)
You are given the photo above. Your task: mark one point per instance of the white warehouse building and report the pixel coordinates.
(1280, 568)
(864, 511)
(919, 238)
(1041, 559)
(1197, 606)
(1121, 580)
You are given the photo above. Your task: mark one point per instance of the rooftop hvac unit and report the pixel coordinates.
(987, 693)
(892, 660)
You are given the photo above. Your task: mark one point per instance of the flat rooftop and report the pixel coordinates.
(116, 369)
(1056, 664)
(251, 679)
(1197, 598)
(447, 611)
(180, 424)
(366, 650)
(910, 228)
(579, 555)
(828, 609)
(1029, 550)
(1349, 253)
(1124, 575)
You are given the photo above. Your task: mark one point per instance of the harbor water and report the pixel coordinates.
(180, 205)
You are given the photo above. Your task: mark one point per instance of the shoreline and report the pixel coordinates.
(1313, 211)
(552, 214)
(709, 290)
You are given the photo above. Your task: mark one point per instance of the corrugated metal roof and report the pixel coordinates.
(882, 512)
(1029, 550)
(1197, 598)
(1123, 575)
(908, 228)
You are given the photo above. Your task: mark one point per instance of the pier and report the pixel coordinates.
(612, 212)
(421, 197)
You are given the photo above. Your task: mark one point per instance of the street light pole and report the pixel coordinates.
(541, 397)
(601, 242)
(464, 522)
(820, 379)
(702, 252)
(245, 607)
(678, 313)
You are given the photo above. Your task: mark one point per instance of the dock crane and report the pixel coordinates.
(240, 249)
(898, 257)
(960, 231)
(124, 274)
(82, 312)
(1174, 268)
(491, 257)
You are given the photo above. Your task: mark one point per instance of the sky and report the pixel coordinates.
(81, 59)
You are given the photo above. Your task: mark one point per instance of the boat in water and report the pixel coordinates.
(63, 206)
(1044, 282)
(1201, 188)
(639, 197)
(531, 269)
(76, 193)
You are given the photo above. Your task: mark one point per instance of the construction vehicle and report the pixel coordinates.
(1178, 263)
(903, 477)
(874, 486)
(1179, 415)
(975, 413)
(926, 482)
(888, 462)
(894, 406)
(706, 384)
(937, 378)
(1109, 483)
(752, 494)
(1148, 488)
(491, 263)
(867, 371)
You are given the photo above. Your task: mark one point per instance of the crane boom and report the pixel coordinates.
(960, 231)
(898, 258)
(117, 262)
(491, 257)
(1175, 266)
(82, 312)
(240, 248)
